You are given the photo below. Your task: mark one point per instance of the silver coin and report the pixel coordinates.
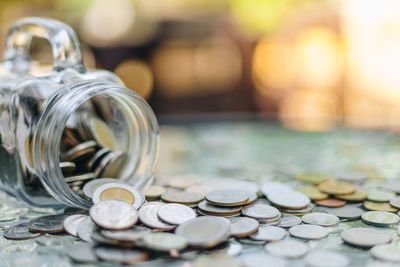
(268, 233)
(323, 258)
(269, 187)
(322, 219)
(380, 195)
(200, 212)
(114, 214)
(231, 248)
(289, 200)
(216, 260)
(380, 218)
(352, 177)
(175, 213)
(119, 191)
(205, 207)
(386, 252)
(227, 197)
(243, 226)
(288, 221)
(395, 202)
(206, 231)
(47, 224)
(307, 209)
(91, 186)
(85, 229)
(347, 212)
(20, 232)
(67, 167)
(148, 216)
(366, 237)
(72, 222)
(260, 212)
(391, 186)
(287, 248)
(97, 157)
(120, 255)
(308, 231)
(164, 241)
(83, 150)
(99, 239)
(251, 242)
(130, 235)
(262, 260)
(82, 253)
(80, 177)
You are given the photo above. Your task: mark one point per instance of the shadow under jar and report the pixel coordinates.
(63, 128)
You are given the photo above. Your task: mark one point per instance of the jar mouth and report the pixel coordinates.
(141, 144)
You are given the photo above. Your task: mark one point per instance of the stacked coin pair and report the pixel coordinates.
(89, 151)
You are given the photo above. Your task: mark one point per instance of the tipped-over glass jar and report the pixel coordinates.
(62, 128)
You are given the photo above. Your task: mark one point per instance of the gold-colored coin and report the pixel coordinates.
(153, 191)
(313, 193)
(379, 206)
(117, 193)
(334, 187)
(312, 177)
(357, 195)
(102, 133)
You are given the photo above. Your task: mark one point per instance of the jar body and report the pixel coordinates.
(34, 112)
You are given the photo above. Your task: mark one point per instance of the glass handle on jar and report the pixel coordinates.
(62, 38)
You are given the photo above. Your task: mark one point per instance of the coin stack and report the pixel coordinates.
(89, 151)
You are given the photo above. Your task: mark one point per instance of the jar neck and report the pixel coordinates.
(142, 144)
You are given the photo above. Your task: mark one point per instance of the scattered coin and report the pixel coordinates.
(175, 213)
(313, 193)
(216, 260)
(333, 187)
(114, 214)
(227, 197)
(252, 197)
(366, 237)
(351, 177)
(391, 186)
(47, 224)
(130, 235)
(276, 187)
(322, 219)
(386, 252)
(268, 233)
(331, 202)
(324, 258)
(262, 260)
(243, 226)
(148, 216)
(260, 212)
(395, 202)
(379, 206)
(182, 197)
(347, 212)
(357, 195)
(312, 177)
(288, 221)
(85, 229)
(153, 192)
(308, 231)
(380, 195)
(289, 200)
(120, 255)
(91, 186)
(182, 182)
(82, 252)
(306, 210)
(206, 231)
(20, 232)
(164, 241)
(72, 222)
(119, 191)
(380, 218)
(200, 188)
(208, 209)
(287, 248)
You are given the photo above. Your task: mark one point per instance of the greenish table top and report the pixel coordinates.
(255, 151)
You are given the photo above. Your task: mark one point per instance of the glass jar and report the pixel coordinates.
(38, 109)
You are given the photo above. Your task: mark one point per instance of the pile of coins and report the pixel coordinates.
(88, 151)
(184, 218)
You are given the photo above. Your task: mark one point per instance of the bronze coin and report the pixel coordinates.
(331, 202)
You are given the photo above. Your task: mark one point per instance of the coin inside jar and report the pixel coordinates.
(119, 191)
(67, 167)
(227, 197)
(94, 161)
(83, 150)
(101, 133)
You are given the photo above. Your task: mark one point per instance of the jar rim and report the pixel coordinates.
(50, 127)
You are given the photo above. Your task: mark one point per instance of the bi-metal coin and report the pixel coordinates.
(308, 231)
(114, 214)
(91, 186)
(204, 232)
(287, 248)
(119, 191)
(71, 223)
(366, 237)
(20, 232)
(243, 226)
(47, 224)
(175, 213)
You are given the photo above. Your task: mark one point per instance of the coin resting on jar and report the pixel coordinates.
(63, 128)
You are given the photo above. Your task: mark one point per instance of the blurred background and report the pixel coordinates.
(315, 64)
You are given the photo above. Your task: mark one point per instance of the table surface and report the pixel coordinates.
(254, 151)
